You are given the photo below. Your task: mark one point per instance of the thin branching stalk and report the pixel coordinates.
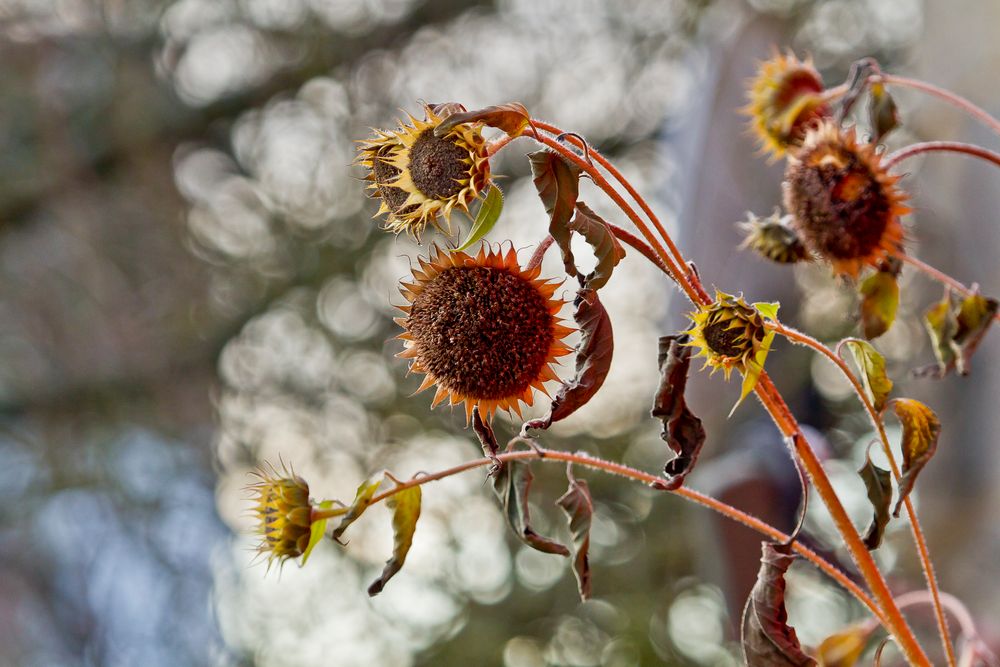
(918, 534)
(610, 467)
(893, 159)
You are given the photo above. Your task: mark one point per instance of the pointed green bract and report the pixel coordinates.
(755, 366)
(316, 534)
(486, 218)
(362, 500)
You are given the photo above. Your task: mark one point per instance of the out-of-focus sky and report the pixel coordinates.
(191, 283)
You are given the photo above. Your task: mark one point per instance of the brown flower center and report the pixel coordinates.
(483, 332)
(838, 205)
(385, 173)
(725, 341)
(438, 165)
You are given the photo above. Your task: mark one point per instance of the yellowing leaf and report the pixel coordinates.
(486, 218)
(921, 430)
(579, 509)
(362, 500)
(755, 366)
(879, 302)
(872, 366)
(975, 315)
(512, 118)
(405, 507)
(844, 648)
(882, 112)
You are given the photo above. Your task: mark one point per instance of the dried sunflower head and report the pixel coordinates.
(283, 513)
(845, 206)
(482, 329)
(773, 238)
(786, 99)
(420, 177)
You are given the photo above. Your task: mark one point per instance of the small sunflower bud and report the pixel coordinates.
(773, 238)
(284, 514)
(786, 99)
(729, 333)
(420, 177)
(482, 329)
(845, 206)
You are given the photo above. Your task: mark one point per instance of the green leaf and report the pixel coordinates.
(882, 112)
(766, 309)
(606, 247)
(512, 118)
(844, 648)
(362, 500)
(767, 639)
(878, 483)
(316, 533)
(921, 430)
(558, 184)
(872, 366)
(593, 360)
(405, 506)
(489, 213)
(579, 509)
(682, 430)
(879, 302)
(511, 485)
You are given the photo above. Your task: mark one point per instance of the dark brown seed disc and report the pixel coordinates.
(385, 173)
(723, 340)
(483, 332)
(437, 165)
(838, 206)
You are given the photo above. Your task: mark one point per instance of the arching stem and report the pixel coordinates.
(939, 276)
(918, 533)
(893, 159)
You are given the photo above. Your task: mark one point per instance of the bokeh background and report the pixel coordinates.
(190, 284)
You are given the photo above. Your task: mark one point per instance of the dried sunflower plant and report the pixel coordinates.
(484, 331)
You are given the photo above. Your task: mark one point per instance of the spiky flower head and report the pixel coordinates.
(420, 177)
(482, 329)
(773, 238)
(786, 99)
(844, 204)
(283, 513)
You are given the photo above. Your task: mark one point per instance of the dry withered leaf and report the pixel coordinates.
(682, 430)
(512, 483)
(579, 509)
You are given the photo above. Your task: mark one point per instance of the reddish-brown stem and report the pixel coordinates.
(941, 93)
(630, 239)
(894, 159)
(783, 418)
(494, 146)
(646, 208)
(918, 533)
(676, 273)
(539, 254)
(578, 458)
(939, 276)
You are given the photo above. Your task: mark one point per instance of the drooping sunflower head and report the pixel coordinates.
(420, 177)
(773, 238)
(729, 333)
(283, 512)
(482, 329)
(786, 99)
(844, 204)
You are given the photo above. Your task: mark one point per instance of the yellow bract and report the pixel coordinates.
(283, 513)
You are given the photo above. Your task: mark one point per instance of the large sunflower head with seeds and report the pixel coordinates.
(421, 177)
(844, 204)
(786, 99)
(481, 329)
